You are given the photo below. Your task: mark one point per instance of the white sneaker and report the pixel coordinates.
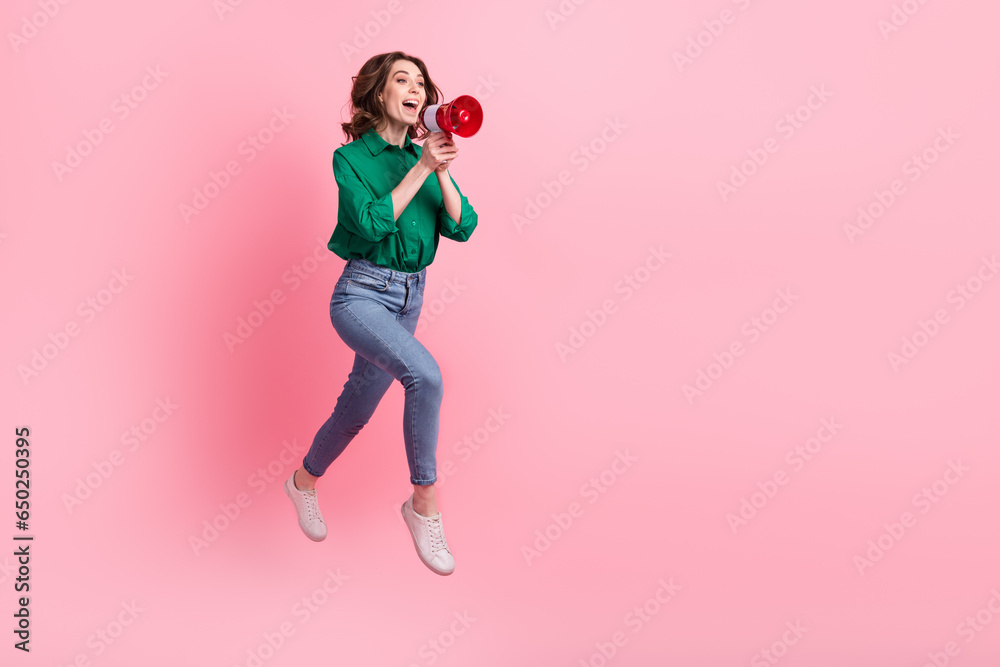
(428, 538)
(307, 506)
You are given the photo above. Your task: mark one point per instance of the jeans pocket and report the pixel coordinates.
(368, 282)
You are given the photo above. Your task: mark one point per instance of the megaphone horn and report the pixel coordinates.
(462, 116)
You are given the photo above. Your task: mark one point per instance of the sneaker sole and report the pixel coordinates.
(402, 511)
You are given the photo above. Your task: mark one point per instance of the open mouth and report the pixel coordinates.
(410, 105)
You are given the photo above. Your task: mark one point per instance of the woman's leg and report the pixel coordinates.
(377, 334)
(378, 324)
(366, 385)
(424, 496)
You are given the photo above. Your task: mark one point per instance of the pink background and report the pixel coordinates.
(548, 90)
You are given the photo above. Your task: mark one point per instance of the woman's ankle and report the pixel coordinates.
(306, 485)
(425, 500)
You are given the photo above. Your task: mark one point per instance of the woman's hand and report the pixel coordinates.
(438, 152)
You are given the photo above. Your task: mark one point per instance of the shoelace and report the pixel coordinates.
(436, 533)
(312, 506)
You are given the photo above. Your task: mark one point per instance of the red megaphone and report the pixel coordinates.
(462, 116)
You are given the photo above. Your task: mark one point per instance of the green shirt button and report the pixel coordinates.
(413, 222)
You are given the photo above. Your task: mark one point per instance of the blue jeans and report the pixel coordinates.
(375, 310)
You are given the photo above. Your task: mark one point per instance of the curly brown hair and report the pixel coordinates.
(368, 111)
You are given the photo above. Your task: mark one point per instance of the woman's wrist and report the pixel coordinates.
(423, 171)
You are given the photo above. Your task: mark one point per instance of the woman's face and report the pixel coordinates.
(403, 94)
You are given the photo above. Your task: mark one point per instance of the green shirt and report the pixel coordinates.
(367, 169)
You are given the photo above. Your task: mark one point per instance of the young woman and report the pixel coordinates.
(390, 216)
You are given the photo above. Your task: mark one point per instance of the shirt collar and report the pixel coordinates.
(376, 144)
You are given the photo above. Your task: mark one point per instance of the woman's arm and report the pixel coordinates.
(452, 200)
(436, 150)
(447, 221)
(403, 193)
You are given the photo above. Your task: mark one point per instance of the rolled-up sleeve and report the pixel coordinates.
(457, 231)
(362, 213)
